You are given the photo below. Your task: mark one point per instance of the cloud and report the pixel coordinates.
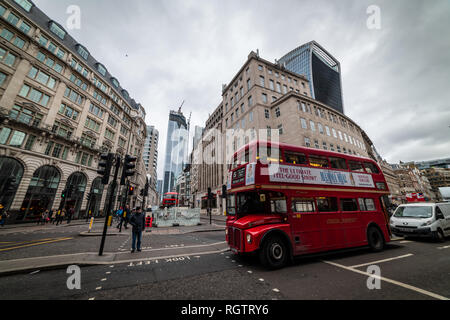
(395, 80)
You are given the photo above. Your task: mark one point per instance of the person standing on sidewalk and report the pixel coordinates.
(3, 215)
(137, 220)
(126, 216)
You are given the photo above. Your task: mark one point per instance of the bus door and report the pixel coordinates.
(305, 226)
(330, 221)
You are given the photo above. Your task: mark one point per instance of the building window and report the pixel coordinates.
(2, 78)
(109, 134)
(26, 116)
(101, 68)
(264, 98)
(307, 142)
(12, 19)
(82, 51)
(62, 130)
(280, 129)
(88, 141)
(272, 85)
(7, 58)
(313, 125)
(42, 77)
(304, 124)
(250, 101)
(112, 121)
(249, 84)
(67, 111)
(34, 95)
(261, 81)
(97, 111)
(250, 116)
(277, 112)
(316, 144)
(260, 67)
(320, 128)
(92, 124)
(99, 98)
(324, 145)
(328, 131)
(57, 30)
(267, 113)
(278, 87)
(25, 4)
(73, 96)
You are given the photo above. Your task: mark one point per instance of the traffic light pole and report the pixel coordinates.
(109, 204)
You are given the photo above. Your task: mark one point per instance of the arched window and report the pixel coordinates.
(41, 193)
(74, 200)
(11, 173)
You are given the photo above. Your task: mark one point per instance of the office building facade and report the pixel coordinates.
(176, 150)
(321, 69)
(60, 109)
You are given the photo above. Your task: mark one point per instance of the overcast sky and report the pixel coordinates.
(396, 79)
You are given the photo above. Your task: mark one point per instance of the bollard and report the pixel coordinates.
(91, 224)
(110, 221)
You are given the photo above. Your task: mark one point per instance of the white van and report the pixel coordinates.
(422, 220)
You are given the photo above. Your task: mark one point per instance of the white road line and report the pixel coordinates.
(91, 298)
(405, 241)
(98, 288)
(400, 284)
(104, 279)
(276, 290)
(446, 247)
(381, 261)
(262, 280)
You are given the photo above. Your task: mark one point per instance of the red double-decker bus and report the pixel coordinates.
(284, 201)
(170, 199)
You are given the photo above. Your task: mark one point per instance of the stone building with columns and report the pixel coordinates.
(60, 109)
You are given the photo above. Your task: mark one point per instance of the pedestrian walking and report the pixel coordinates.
(50, 216)
(61, 216)
(70, 215)
(3, 215)
(137, 220)
(126, 216)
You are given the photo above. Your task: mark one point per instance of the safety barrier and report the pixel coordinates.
(172, 217)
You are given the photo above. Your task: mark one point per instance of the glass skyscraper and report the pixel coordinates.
(321, 69)
(176, 150)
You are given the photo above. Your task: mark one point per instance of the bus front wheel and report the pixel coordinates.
(375, 239)
(274, 253)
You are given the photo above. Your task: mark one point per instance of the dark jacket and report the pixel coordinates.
(137, 220)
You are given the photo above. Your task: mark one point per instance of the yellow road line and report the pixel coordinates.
(14, 243)
(35, 244)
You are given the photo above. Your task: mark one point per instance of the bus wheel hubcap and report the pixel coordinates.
(277, 251)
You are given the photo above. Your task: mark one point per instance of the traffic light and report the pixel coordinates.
(105, 166)
(89, 197)
(131, 191)
(64, 194)
(128, 167)
(210, 195)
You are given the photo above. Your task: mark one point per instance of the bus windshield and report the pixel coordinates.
(256, 203)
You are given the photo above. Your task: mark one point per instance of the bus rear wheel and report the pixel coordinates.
(274, 253)
(375, 239)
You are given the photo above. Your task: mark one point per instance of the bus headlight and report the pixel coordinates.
(249, 238)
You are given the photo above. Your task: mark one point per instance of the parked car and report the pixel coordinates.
(422, 220)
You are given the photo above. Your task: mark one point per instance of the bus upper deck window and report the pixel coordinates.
(356, 166)
(268, 155)
(295, 157)
(371, 168)
(338, 163)
(318, 161)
